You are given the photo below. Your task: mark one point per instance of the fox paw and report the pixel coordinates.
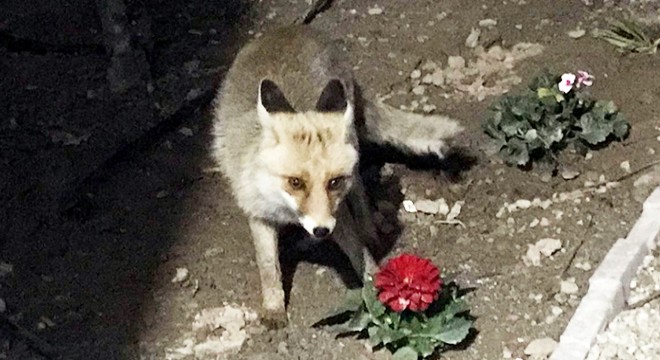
(274, 319)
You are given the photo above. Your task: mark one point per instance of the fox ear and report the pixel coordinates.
(333, 98)
(271, 99)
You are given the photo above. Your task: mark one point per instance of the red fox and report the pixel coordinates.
(288, 123)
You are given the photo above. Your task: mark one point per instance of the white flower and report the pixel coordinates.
(566, 83)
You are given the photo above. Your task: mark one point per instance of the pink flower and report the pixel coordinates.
(584, 78)
(408, 282)
(566, 83)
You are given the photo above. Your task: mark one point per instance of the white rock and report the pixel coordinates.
(455, 210)
(181, 275)
(376, 10)
(534, 223)
(416, 74)
(427, 206)
(625, 166)
(569, 286)
(456, 62)
(409, 206)
(489, 23)
(419, 90)
(544, 222)
(548, 246)
(473, 39)
(576, 34)
(523, 204)
(541, 348)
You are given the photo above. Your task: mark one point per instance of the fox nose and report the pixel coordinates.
(321, 232)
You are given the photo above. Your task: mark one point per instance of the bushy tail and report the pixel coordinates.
(416, 133)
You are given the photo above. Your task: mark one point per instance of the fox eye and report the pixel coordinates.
(296, 183)
(336, 183)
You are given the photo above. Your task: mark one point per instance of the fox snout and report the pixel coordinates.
(318, 229)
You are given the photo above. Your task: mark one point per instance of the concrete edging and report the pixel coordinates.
(609, 285)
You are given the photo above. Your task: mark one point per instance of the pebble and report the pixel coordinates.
(473, 39)
(576, 34)
(182, 275)
(376, 10)
(489, 23)
(416, 74)
(541, 348)
(625, 166)
(456, 62)
(569, 286)
(409, 206)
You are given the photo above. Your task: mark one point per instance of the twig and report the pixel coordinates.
(148, 140)
(639, 304)
(40, 346)
(582, 241)
(14, 43)
(317, 7)
(633, 173)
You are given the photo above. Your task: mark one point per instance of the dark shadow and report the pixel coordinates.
(80, 224)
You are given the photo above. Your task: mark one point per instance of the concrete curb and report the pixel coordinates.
(609, 285)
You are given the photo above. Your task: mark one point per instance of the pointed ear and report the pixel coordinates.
(333, 98)
(271, 99)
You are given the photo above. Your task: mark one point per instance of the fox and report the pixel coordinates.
(288, 122)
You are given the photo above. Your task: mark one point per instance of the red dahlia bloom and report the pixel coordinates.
(408, 282)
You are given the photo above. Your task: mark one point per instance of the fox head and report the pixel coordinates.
(309, 157)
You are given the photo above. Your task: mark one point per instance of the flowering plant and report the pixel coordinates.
(406, 309)
(556, 111)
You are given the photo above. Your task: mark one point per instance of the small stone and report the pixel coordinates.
(416, 74)
(282, 348)
(625, 166)
(427, 108)
(589, 156)
(456, 62)
(473, 39)
(429, 66)
(186, 131)
(569, 286)
(409, 206)
(576, 34)
(534, 223)
(182, 275)
(523, 204)
(376, 10)
(455, 210)
(419, 90)
(548, 246)
(519, 26)
(426, 206)
(541, 348)
(568, 173)
(489, 23)
(544, 222)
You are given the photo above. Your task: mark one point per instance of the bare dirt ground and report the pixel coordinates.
(87, 265)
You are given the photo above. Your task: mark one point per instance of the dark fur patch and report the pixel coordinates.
(273, 99)
(333, 98)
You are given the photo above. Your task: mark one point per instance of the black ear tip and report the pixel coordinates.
(333, 97)
(272, 97)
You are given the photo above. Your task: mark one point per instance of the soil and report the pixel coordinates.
(101, 203)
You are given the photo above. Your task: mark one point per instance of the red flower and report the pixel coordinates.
(408, 282)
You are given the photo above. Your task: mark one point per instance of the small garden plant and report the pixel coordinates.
(555, 112)
(406, 309)
(629, 35)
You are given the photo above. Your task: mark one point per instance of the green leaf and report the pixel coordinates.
(385, 335)
(405, 353)
(593, 132)
(620, 127)
(424, 346)
(455, 331)
(515, 152)
(374, 306)
(360, 321)
(545, 92)
(352, 302)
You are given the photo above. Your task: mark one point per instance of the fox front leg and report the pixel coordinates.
(265, 243)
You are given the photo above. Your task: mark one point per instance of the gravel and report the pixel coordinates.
(633, 333)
